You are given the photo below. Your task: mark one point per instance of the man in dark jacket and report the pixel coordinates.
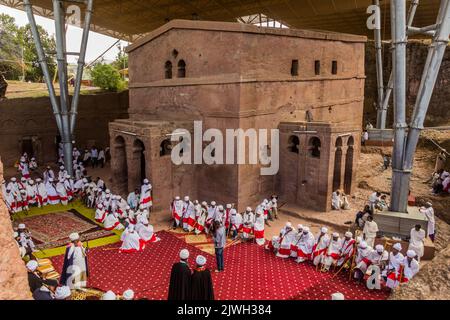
(46, 292)
(202, 286)
(180, 279)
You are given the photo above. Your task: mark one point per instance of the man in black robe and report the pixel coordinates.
(180, 279)
(202, 286)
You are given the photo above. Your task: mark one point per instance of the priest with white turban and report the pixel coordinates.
(75, 268)
(131, 241)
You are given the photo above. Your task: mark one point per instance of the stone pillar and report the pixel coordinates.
(13, 274)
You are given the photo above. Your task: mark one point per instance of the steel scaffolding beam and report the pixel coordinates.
(65, 117)
(405, 145)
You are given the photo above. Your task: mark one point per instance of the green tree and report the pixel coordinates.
(10, 49)
(121, 61)
(33, 69)
(107, 77)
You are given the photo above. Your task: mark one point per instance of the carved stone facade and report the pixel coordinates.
(13, 274)
(232, 76)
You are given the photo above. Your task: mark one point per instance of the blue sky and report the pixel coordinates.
(96, 45)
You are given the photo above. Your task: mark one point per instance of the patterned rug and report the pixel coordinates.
(250, 273)
(52, 230)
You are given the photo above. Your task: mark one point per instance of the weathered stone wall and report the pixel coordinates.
(439, 110)
(13, 274)
(32, 118)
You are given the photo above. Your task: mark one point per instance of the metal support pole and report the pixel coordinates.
(63, 88)
(390, 86)
(43, 64)
(81, 63)
(435, 55)
(381, 113)
(398, 26)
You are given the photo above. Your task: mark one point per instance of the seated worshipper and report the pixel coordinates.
(63, 293)
(11, 200)
(23, 251)
(201, 282)
(201, 213)
(131, 241)
(146, 194)
(188, 211)
(377, 257)
(46, 291)
(320, 246)
(235, 224)
(296, 240)
(347, 249)
(248, 221)
(177, 211)
(428, 211)
(25, 238)
(410, 266)
(362, 251)
(31, 193)
(33, 164)
(34, 280)
(258, 228)
(287, 236)
(41, 193)
(75, 268)
(374, 198)
(180, 279)
(212, 209)
(416, 241)
(48, 173)
(370, 231)
(332, 253)
(393, 269)
(62, 192)
(131, 216)
(24, 196)
(273, 245)
(305, 245)
(141, 219)
(133, 199)
(62, 173)
(127, 294)
(336, 201)
(109, 295)
(100, 213)
(383, 204)
(112, 222)
(146, 233)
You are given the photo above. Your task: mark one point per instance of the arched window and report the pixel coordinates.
(165, 148)
(351, 141)
(181, 69)
(168, 69)
(314, 147)
(294, 143)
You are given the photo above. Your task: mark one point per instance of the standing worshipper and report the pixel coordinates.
(86, 157)
(201, 281)
(211, 216)
(75, 268)
(146, 194)
(416, 241)
(235, 224)
(201, 219)
(177, 211)
(248, 221)
(370, 231)
(220, 240)
(94, 156)
(180, 279)
(258, 228)
(188, 210)
(101, 158)
(428, 211)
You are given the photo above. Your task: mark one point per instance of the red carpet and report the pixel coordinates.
(250, 273)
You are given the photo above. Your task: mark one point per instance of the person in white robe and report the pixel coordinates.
(25, 238)
(130, 216)
(100, 213)
(336, 201)
(22, 184)
(24, 197)
(416, 241)
(10, 200)
(347, 249)
(48, 173)
(188, 210)
(296, 240)
(333, 252)
(133, 199)
(378, 257)
(112, 222)
(370, 231)
(428, 211)
(177, 211)
(393, 268)
(68, 184)
(75, 269)
(258, 228)
(320, 246)
(191, 219)
(287, 236)
(305, 245)
(374, 198)
(31, 193)
(141, 220)
(212, 209)
(407, 268)
(235, 224)
(146, 194)
(201, 219)
(33, 164)
(23, 168)
(228, 211)
(147, 234)
(52, 194)
(62, 173)
(248, 221)
(62, 192)
(41, 193)
(131, 241)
